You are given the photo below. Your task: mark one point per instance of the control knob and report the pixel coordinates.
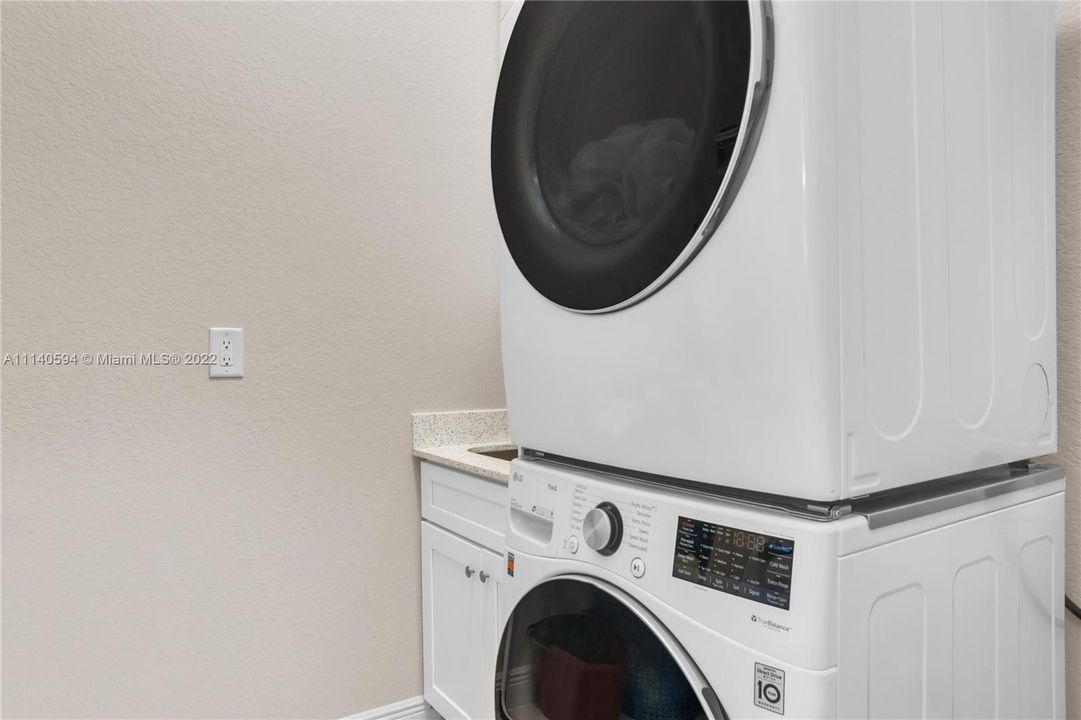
(603, 528)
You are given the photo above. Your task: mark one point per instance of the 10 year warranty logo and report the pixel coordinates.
(769, 688)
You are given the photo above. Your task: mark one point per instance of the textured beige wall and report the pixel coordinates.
(1069, 318)
(315, 173)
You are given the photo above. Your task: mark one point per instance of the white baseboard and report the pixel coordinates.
(412, 709)
(416, 708)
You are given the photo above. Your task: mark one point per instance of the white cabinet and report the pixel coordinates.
(460, 598)
(461, 581)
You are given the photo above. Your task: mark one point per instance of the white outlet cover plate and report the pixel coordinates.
(224, 367)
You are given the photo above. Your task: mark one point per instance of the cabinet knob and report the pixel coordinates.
(469, 571)
(484, 576)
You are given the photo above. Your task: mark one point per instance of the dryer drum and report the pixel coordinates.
(616, 125)
(574, 649)
(580, 674)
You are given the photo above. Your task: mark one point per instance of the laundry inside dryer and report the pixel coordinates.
(574, 650)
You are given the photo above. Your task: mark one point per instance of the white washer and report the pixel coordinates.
(733, 227)
(918, 605)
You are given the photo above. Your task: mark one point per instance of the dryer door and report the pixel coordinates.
(620, 136)
(578, 647)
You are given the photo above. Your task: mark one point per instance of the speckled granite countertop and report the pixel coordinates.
(454, 439)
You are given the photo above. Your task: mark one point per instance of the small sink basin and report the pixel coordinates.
(500, 454)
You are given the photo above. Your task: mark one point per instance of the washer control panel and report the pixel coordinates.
(729, 565)
(674, 544)
(739, 562)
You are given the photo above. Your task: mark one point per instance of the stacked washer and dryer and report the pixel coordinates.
(778, 321)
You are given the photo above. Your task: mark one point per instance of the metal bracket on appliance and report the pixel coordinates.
(880, 509)
(779, 503)
(915, 501)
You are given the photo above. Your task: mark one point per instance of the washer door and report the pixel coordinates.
(576, 646)
(620, 136)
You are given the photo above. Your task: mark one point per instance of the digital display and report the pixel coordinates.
(738, 562)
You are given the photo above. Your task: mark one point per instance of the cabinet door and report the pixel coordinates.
(452, 602)
(491, 631)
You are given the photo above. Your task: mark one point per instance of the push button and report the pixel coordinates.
(572, 544)
(638, 567)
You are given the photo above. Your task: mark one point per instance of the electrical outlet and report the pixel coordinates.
(225, 356)
(227, 347)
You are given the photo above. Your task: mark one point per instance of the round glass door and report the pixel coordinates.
(576, 648)
(619, 134)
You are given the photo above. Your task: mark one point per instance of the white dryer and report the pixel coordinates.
(623, 598)
(796, 248)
